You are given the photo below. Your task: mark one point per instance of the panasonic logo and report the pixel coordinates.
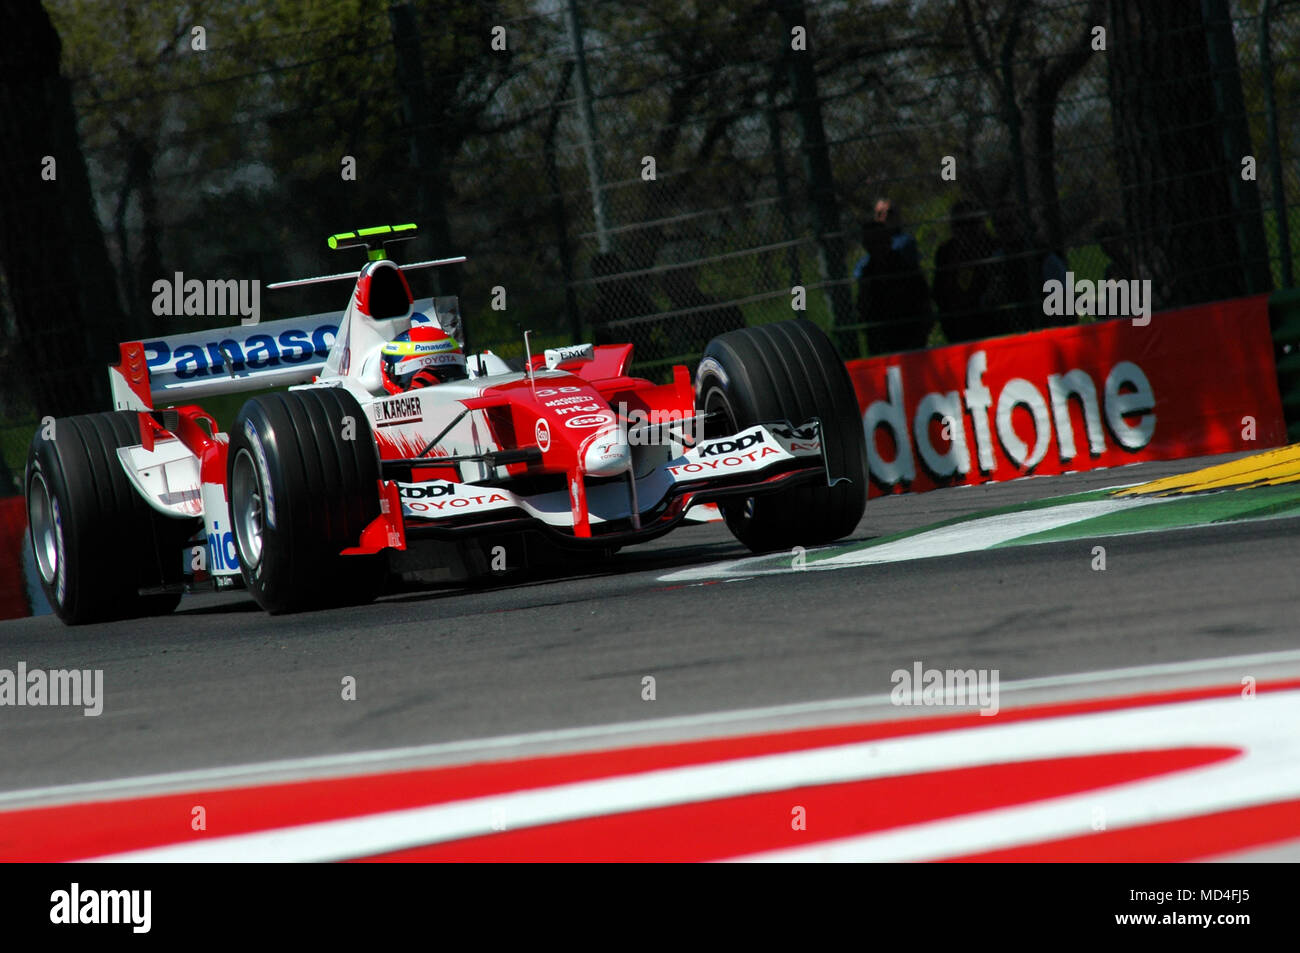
(197, 355)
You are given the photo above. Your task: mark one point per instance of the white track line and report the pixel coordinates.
(630, 732)
(1263, 726)
(967, 536)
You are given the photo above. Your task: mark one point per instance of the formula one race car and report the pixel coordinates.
(320, 491)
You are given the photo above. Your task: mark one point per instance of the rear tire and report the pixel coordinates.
(303, 477)
(97, 542)
(791, 371)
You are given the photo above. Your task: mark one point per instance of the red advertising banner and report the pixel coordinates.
(13, 528)
(1185, 383)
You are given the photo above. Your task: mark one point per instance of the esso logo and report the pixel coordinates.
(588, 420)
(542, 434)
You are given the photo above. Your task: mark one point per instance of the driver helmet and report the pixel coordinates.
(422, 356)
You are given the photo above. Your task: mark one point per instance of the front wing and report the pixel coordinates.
(614, 511)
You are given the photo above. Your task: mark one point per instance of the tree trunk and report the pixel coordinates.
(1182, 192)
(817, 169)
(61, 282)
(559, 216)
(429, 150)
(1051, 75)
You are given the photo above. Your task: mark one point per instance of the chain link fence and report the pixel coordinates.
(904, 174)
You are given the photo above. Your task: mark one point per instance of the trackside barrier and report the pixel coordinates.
(1216, 378)
(13, 586)
(1284, 320)
(1187, 383)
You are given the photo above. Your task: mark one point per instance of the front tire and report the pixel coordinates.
(787, 371)
(303, 477)
(97, 542)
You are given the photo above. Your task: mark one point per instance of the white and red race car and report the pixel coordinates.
(321, 490)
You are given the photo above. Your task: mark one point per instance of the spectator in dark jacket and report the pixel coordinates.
(892, 293)
(965, 267)
(1023, 265)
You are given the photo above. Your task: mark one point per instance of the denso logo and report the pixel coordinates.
(1126, 392)
(426, 491)
(196, 356)
(716, 448)
(589, 420)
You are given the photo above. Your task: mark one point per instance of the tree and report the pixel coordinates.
(1026, 73)
(116, 58)
(60, 281)
(1180, 133)
(817, 168)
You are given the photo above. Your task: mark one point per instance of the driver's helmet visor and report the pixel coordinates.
(443, 358)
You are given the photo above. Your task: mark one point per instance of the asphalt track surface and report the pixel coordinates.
(219, 683)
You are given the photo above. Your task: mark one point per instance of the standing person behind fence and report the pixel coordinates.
(890, 214)
(1015, 298)
(892, 292)
(964, 268)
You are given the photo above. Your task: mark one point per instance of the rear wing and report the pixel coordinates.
(184, 367)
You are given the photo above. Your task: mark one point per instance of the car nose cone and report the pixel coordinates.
(608, 454)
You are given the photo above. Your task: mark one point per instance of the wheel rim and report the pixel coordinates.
(47, 528)
(246, 509)
(721, 420)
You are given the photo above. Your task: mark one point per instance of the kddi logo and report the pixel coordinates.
(718, 448)
(427, 491)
